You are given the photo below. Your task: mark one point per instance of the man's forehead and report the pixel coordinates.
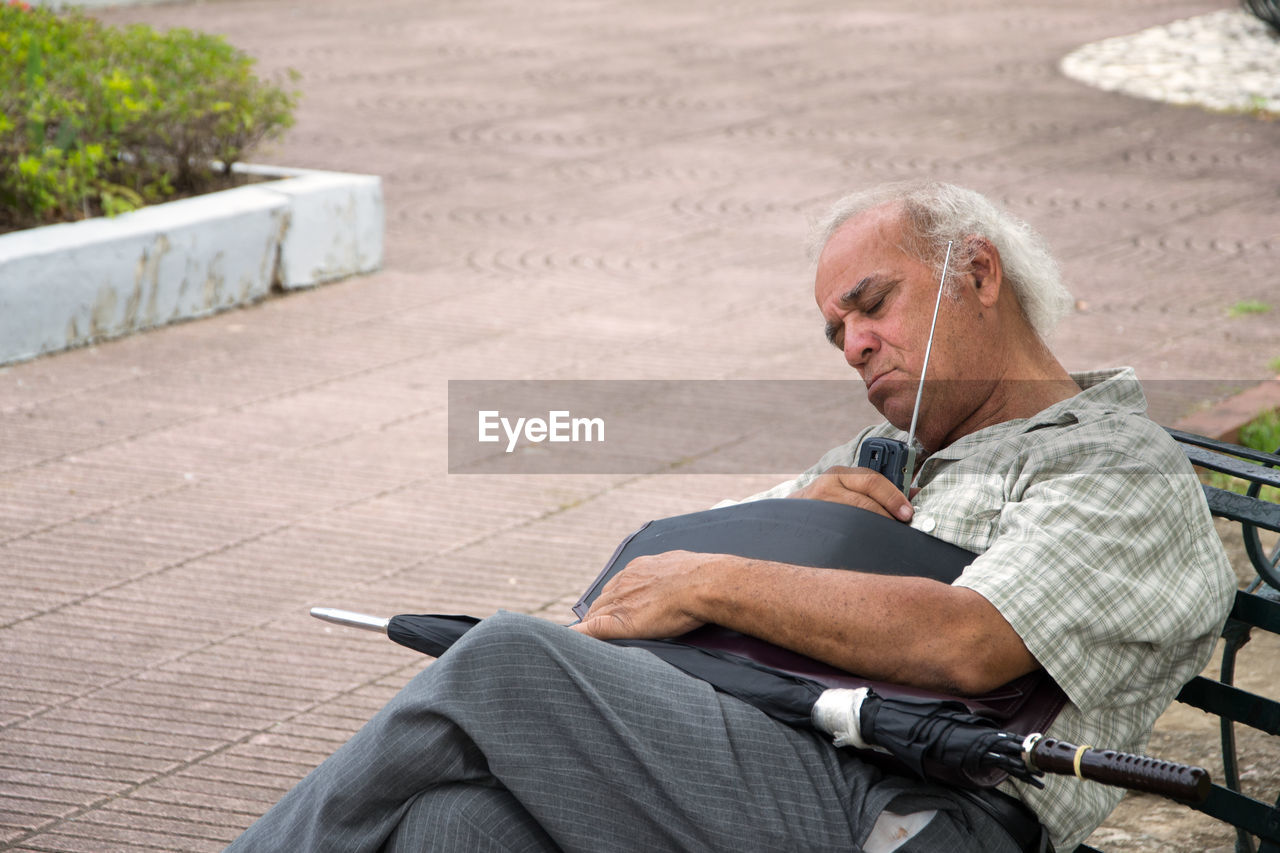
(858, 243)
(877, 229)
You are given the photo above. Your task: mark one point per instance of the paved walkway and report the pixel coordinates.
(575, 189)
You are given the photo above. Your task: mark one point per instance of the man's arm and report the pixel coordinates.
(908, 630)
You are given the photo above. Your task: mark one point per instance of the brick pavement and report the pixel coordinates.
(575, 189)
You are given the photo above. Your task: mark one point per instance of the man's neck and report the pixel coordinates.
(1024, 391)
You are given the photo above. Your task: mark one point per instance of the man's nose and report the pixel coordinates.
(859, 345)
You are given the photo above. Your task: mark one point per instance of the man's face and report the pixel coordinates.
(878, 305)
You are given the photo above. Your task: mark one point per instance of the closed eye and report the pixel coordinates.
(869, 295)
(866, 298)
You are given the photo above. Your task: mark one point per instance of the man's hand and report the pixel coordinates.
(860, 487)
(650, 599)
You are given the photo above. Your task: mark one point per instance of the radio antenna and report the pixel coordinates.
(928, 348)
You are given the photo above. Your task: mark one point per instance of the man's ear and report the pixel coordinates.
(986, 269)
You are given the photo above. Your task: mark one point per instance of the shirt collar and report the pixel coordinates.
(1103, 392)
(1108, 391)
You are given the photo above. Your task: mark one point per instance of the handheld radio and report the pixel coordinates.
(888, 456)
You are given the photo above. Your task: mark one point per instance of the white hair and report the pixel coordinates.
(934, 213)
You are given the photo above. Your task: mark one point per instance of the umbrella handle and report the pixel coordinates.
(1126, 770)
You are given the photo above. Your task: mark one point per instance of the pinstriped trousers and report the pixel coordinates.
(527, 736)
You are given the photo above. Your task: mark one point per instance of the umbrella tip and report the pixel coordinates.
(350, 619)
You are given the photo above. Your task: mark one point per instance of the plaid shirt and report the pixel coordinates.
(1098, 548)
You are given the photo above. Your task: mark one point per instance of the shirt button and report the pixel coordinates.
(923, 522)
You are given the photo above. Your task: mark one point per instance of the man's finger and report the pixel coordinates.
(603, 627)
(859, 487)
(882, 490)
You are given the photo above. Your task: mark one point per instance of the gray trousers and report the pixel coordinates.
(527, 736)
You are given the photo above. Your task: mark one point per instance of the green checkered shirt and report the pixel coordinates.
(1097, 547)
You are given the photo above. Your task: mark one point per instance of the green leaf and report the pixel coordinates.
(29, 166)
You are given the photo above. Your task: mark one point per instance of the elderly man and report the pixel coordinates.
(1097, 561)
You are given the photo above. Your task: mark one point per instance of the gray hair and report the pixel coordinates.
(935, 213)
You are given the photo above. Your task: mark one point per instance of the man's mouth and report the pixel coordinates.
(876, 380)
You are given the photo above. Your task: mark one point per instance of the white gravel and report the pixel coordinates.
(1227, 60)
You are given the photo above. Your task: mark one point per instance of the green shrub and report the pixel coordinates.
(97, 119)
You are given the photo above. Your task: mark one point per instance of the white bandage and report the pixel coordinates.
(838, 712)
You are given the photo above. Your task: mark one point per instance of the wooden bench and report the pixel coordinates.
(1257, 608)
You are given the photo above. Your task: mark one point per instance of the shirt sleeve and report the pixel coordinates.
(1095, 568)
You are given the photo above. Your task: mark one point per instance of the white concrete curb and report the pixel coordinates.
(67, 285)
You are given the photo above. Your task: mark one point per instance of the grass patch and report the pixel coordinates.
(1261, 433)
(1274, 364)
(1245, 307)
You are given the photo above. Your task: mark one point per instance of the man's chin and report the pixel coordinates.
(894, 401)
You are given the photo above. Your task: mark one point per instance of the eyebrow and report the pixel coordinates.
(833, 329)
(851, 297)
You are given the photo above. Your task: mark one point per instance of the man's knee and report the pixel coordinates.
(501, 653)
(513, 662)
(508, 634)
(466, 817)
